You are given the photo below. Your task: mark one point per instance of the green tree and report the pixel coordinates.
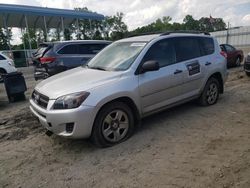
(4, 43)
(212, 24)
(190, 23)
(33, 39)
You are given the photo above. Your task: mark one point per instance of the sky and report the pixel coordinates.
(138, 13)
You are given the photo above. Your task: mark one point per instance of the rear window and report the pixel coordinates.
(187, 48)
(207, 44)
(42, 49)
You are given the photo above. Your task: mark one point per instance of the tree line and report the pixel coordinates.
(112, 28)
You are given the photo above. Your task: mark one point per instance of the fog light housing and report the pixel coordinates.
(69, 127)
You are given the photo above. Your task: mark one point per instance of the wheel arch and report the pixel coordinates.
(218, 76)
(128, 101)
(3, 70)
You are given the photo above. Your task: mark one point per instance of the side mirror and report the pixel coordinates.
(151, 65)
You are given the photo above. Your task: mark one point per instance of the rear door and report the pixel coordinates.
(162, 87)
(188, 53)
(68, 56)
(73, 55)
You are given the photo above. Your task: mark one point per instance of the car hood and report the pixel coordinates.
(75, 80)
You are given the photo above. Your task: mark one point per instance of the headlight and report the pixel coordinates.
(70, 101)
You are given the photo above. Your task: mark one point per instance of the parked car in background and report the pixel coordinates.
(128, 80)
(52, 58)
(234, 56)
(247, 65)
(6, 65)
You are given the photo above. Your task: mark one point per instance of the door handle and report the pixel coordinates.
(177, 71)
(208, 63)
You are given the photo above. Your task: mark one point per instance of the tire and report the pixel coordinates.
(210, 93)
(2, 71)
(248, 74)
(114, 124)
(237, 62)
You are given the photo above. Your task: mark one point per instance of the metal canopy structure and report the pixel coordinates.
(14, 16)
(22, 16)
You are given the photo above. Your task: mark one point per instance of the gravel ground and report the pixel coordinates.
(186, 146)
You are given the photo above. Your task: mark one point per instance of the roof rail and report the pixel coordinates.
(147, 33)
(186, 31)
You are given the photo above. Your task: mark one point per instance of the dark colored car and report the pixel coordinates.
(247, 65)
(234, 56)
(55, 57)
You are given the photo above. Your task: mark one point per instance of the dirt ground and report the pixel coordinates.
(187, 146)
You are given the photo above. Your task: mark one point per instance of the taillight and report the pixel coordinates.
(223, 54)
(45, 60)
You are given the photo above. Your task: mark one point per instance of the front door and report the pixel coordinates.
(163, 87)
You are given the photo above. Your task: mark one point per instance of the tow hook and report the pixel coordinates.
(48, 133)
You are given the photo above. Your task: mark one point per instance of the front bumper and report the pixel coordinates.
(56, 121)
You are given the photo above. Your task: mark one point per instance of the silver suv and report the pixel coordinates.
(128, 80)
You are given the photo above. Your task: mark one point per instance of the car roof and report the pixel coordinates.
(147, 38)
(77, 41)
(142, 38)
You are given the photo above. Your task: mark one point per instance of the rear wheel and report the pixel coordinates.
(248, 74)
(113, 124)
(210, 93)
(237, 62)
(2, 71)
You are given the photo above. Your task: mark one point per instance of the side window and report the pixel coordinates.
(2, 58)
(187, 48)
(229, 48)
(222, 48)
(69, 49)
(90, 48)
(207, 45)
(163, 52)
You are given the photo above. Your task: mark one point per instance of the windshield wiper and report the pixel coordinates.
(97, 68)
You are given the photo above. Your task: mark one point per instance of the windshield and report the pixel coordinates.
(117, 57)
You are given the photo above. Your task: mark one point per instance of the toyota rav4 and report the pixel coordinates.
(128, 80)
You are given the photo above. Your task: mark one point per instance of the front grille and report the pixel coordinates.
(40, 99)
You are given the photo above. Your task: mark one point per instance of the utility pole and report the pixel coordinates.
(227, 38)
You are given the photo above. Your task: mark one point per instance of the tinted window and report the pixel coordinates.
(207, 45)
(90, 48)
(187, 48)
(229, 48)
(69, 49)
(163, 52)
(2, 58)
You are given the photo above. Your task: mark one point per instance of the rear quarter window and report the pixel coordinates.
(207, 45)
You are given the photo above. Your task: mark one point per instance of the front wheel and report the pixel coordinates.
(248, 74)
(113, 124)
(210, 93)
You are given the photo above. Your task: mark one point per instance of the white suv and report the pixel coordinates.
(128, 80)
(6, 65)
